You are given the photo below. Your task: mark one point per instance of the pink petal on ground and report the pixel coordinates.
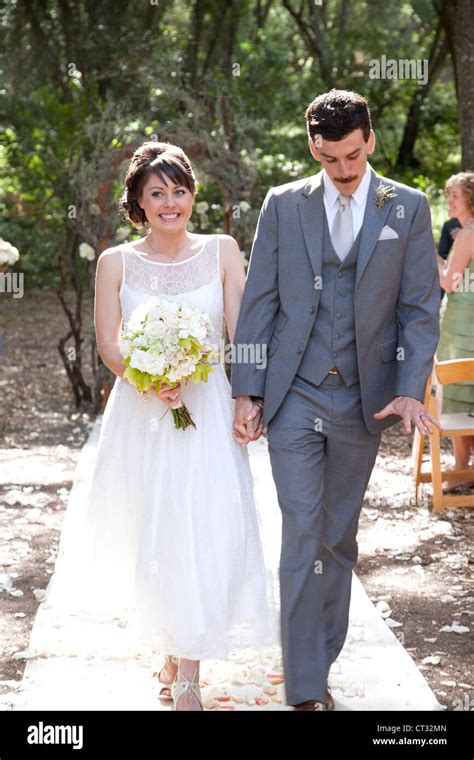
(275, 678)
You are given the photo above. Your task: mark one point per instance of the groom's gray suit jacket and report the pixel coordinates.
(396, 297)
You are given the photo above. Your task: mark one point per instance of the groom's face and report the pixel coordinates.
(344, 160)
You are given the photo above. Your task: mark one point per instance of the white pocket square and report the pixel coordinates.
(388, 233)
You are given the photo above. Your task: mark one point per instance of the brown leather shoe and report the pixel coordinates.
(317, 705)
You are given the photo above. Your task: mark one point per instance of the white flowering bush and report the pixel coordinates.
(86, 252)
(8, 254)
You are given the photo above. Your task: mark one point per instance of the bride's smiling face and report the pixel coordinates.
(168, 207)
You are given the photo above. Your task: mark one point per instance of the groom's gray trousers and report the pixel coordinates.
(322, 457)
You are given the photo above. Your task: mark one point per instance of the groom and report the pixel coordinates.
(343, 296)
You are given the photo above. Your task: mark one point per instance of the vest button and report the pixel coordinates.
(338, 314)
(299, 350)
(339, 274)
(336, 335)
(312, 309)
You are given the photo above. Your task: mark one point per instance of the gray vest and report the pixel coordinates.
(332, 341)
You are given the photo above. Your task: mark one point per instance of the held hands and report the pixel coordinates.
(247, 420)
(410, 410)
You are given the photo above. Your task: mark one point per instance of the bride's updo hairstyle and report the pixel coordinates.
(164, 160)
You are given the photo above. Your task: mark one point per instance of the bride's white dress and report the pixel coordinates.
(165, 531)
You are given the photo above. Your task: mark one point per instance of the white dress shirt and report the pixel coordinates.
(358, 200)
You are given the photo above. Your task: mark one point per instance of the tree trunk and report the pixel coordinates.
(457, 17)
(72, 355)
(437, 57)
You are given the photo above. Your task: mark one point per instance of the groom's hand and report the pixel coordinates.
(410, 410)
(247, 420)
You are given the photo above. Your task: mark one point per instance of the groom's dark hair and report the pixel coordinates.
(336, 113)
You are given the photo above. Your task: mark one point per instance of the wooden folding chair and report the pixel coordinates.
(452, 425)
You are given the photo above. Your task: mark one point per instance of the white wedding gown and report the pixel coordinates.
(164, 532)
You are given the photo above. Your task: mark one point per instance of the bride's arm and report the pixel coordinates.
(107, 309)
(234, 281)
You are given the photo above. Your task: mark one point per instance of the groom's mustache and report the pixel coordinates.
(345, 180)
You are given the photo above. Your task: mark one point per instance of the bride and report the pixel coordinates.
(169, 528)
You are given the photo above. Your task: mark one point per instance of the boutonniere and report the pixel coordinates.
(384, 193)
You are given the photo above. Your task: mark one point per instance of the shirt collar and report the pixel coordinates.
(359, 196)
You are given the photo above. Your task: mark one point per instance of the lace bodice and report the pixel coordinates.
(195, 281)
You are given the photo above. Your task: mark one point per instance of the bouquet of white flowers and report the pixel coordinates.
(8, 253)
(167, 342)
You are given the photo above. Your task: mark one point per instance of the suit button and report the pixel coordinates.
(312, 309)
(338, 314)
(299, 350)
(340, 275)
(337, 335)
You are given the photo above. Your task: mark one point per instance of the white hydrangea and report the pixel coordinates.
(156, 329)
(145, 361)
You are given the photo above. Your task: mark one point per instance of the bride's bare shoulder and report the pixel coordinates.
(110, 262)
(229, 250)
(228, 245)
(112, 256)
(115, 252)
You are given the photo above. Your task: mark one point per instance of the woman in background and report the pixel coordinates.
(457, 313)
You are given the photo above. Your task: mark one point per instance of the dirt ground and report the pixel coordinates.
(415, 565)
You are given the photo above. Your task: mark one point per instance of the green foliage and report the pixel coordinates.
(86, 82)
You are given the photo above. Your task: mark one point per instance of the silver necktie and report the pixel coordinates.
(342, 235)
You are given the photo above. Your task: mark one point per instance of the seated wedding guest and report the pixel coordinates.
(457, 310)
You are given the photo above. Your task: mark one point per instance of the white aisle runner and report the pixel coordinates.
(373, 672)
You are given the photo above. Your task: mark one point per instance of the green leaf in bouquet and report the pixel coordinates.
(141, 380)
(206, 370)
(158, 381)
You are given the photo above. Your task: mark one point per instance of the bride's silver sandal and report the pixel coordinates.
(165, 691)
(178, 688)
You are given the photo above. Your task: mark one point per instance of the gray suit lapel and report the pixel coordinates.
(374, 220)
(311, 211)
